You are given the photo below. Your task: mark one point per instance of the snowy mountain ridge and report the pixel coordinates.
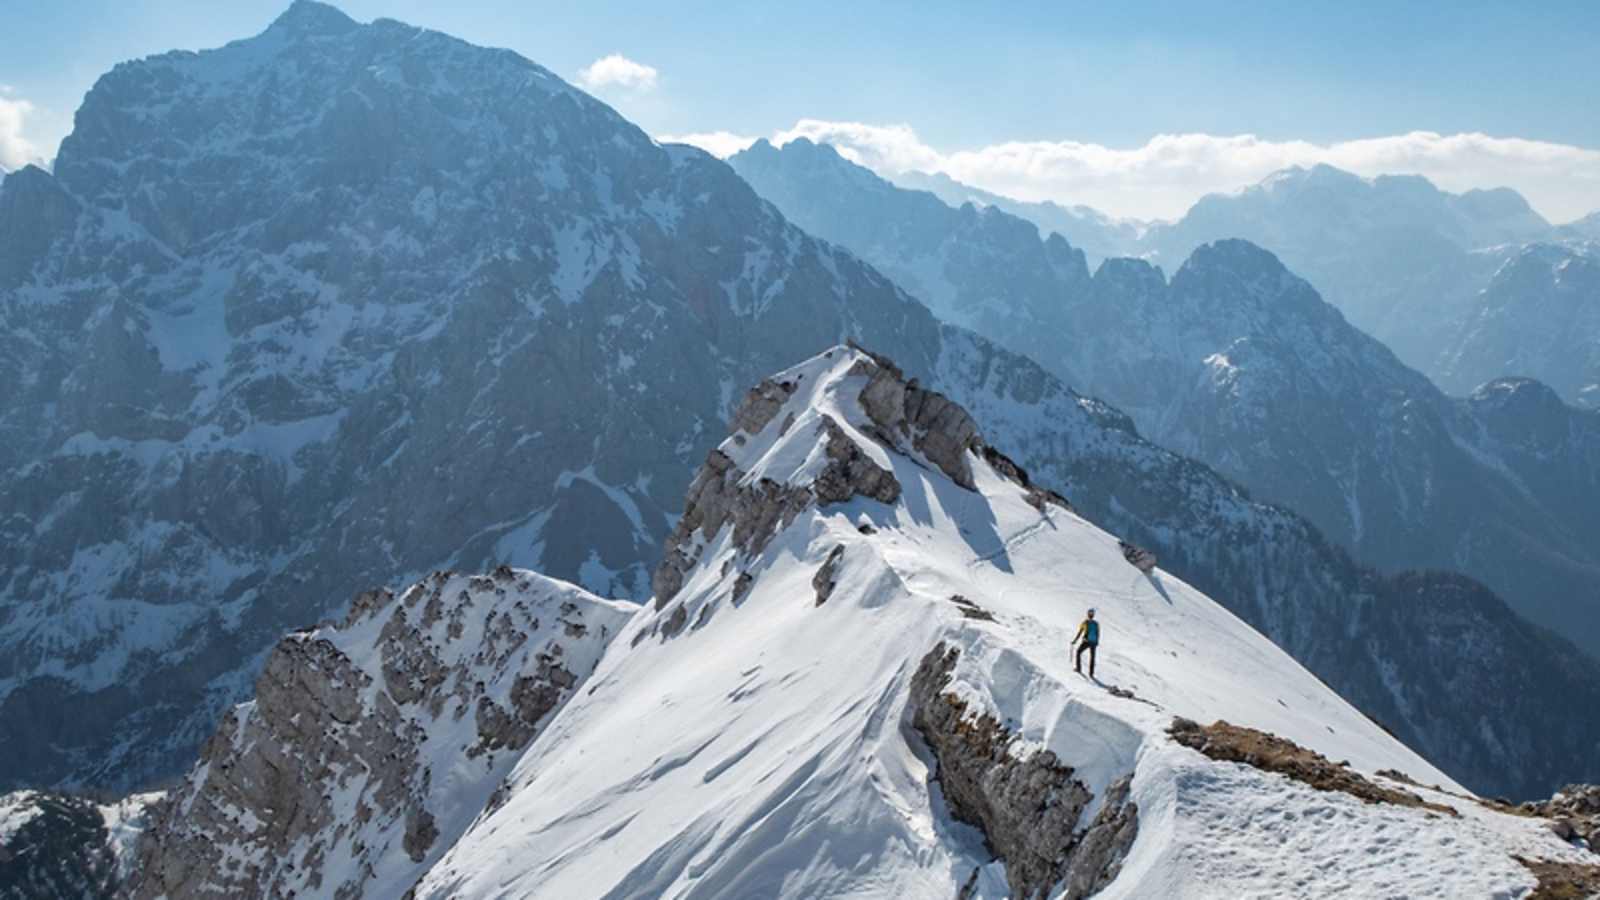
(858, 685)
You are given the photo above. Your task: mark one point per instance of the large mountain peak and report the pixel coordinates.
(1236, 271)
(1235, 254)
(310, 17)
(390, 286)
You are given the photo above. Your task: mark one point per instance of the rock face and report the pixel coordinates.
(1029, 807)
(1574, 814)
(370, 745)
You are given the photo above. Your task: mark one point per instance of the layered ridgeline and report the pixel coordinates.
(441, 310)
(1240, 364)
(1098, 235)
(852, 681)
(1395, 254)
(1439, 277)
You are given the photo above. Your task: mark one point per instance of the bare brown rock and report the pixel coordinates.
(1028, 808)
(1268, 752)
(1563, 880)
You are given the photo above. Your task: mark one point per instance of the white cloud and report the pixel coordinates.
(1170, 171)
(16, 150)
(721, 144)
(617, 71)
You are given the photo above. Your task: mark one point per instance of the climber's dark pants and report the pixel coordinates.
(1078, 662)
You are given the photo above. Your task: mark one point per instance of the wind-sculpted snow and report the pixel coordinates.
(781, 748)
(372, 744)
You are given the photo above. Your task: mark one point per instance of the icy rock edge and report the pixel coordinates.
(1028, 807)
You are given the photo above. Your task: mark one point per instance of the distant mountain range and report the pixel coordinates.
(1539, 316)
(1414, 266)
(428, 306)
(1098, 235)
(1241, 364)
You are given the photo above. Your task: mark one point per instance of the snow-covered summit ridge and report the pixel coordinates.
(779, 726)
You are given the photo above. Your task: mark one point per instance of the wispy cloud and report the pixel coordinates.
(618, 71)
(1161, 178)
(16, 150)
(721, 144)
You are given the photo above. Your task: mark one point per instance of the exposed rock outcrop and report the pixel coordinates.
(1028, 807)
(344, 777)
(936, 427)
(823, 582)
(718, 496)
(1137, 556)
(1562, 880)
(1234, 743)
(902, 416)
(1574, 814)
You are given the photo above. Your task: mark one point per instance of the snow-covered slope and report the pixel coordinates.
(372, 744)
(779, 722)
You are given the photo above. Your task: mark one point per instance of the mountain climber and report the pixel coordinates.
(1089, 634)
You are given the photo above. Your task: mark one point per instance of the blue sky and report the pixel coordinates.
(1097, 79)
